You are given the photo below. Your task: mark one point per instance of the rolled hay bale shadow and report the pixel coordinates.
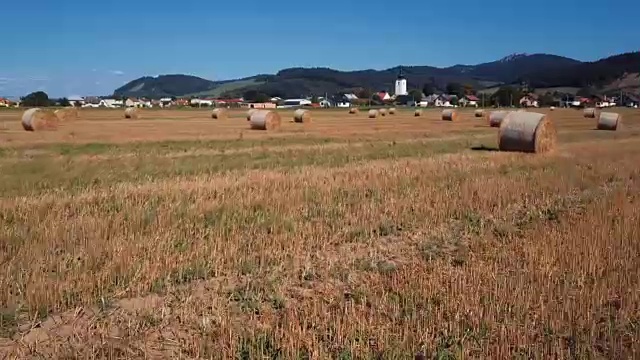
(392, 111)
(527, 132)
(609, 121)
(302, 116)
(590, 113)
(354, 111)
(383, 112)
(249, 113)
(131, 113)
(373, 114)
(265, 120)
(449, 115)
(219, 114)
(497, 117)
(417, 113)
(67, 114)
(484, 148)
(37, 119)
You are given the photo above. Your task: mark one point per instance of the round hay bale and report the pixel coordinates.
(609, 121)
(265, 120)
(392, 111)
(373, 114)
(496, 118)
(590, 113)
(552, 108)
(354, 111)
(418, 112)
(479, 113)
(383, 112)
(66, 114)
(249, 113)
(527, 132)
(131, 113)
(449, 115)
(219, 114)
(302, 116)
(37, 119)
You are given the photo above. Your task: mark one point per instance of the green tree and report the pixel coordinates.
(585, 92)
(314, 99)
(455, 89)
(38, 98)
(415, 95)
(363, 93)
(64, 102)
(506, 96)
(429, 89)
(468, 89)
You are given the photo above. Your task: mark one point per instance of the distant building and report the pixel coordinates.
(268, 105)
(76, 100)
(295, 102)
(401, 84)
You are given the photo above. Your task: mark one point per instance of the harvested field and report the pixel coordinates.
(181, 237)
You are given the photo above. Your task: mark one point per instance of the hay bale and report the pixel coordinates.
(219, 114)
(265, 120)
(302, 116)
(449, 115)
(249, 113)
(496, 118)
(590, 113)
(373, 114)
(37, 119)
(552, 108)
(418, 112)
(527, 132)
(131, 113)
(609, 121)
(479, 113)
(67, 114)
(354, 111)
(392, 111)
(383, 112)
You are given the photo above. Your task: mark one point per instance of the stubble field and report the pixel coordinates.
(179, 236)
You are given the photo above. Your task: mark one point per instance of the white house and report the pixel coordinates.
(201, 102)
(295, 102)
(351, 97)
(166, 102)
(110, 103)
(76, 100)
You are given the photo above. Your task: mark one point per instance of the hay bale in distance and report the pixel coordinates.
(552, 108)
(353, 110)
(496, 117)
(449, 115)
(479, 113)
(249, 113)
(417, 113)
(383, 112)
(609, 121)
(265, 120)
(392, 111)
(590, 113)
(527, 132)
(219, 114)
(373, 114)
(131, 113)
(67, 114)
(302, 116)
(37, 119)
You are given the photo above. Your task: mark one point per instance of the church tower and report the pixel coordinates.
(401, 84)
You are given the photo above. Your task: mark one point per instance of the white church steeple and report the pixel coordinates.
(401, 84)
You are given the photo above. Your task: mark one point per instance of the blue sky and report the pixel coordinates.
(92, 47)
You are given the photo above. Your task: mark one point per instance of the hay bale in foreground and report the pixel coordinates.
(527, 132)
(496, 118)
(479, 113)
(449, 115)
(249, 113)
(219, 114)
(590, 113)
(131, 113)
(354, 111)
(373, 114)
(37, 119)
(265, 120)
(609, 121)
(383, 112)
(67, 114)
(392, 111)
(418, 112)
(302, 116)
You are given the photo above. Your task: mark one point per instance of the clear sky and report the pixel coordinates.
(75, 47)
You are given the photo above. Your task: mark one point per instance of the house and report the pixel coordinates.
(76, 100)
(295, 102)
(469, 100)
(529, 100)
(325, 103)
(201, 102)
(5, 102)
(183, 102)
(110, 103)
(131, 102)
(383, 95)
(165, 102)
(268, 105)
(350, 97)
(91, 102)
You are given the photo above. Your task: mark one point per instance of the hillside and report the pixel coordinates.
(540, 70)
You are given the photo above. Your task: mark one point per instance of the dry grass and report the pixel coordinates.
(345, 239)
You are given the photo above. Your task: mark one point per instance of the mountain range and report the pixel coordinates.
(619, 72)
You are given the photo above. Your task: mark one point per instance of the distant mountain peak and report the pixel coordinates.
(514, 56)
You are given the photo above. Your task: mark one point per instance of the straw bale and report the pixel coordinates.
(302, 116)
(353, 110)
(590, 113)
(249, 113)
(496, 117)
(392, 111)
(219, 114)
(418, 112)
(609, 121)
(373, 114)
(527, 132)
(383, 112)
(265, 120)
(67, 114)
(37, 119)
(479, 113)
(131, 113)
(449, 115)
